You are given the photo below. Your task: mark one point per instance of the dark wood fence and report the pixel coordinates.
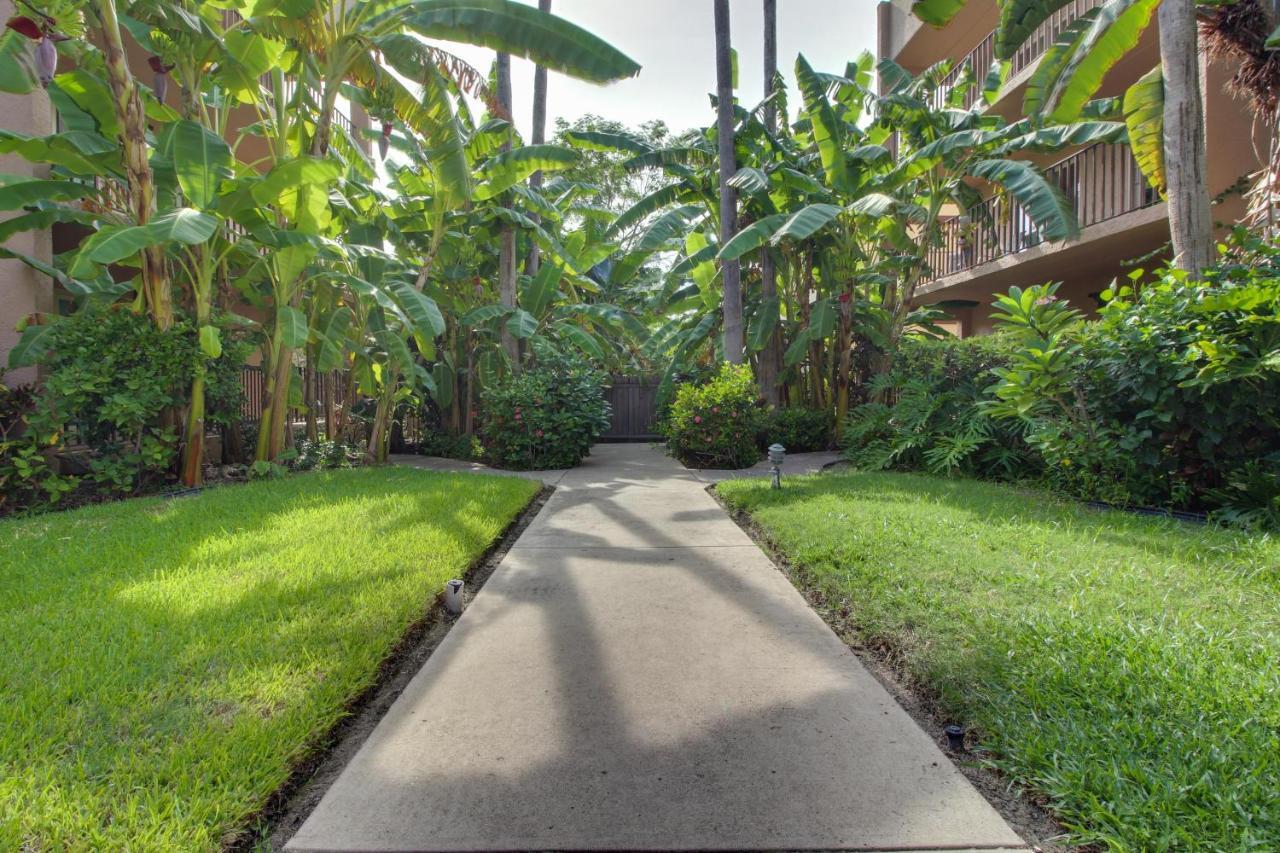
(635, 408)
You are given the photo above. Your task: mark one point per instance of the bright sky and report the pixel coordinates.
(674, 42)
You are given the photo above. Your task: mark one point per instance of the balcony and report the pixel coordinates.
(978, 61)
(1102, 182)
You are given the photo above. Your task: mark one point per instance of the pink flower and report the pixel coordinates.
(538, 433)
(715, 410)
(517, 416)
(697, 419)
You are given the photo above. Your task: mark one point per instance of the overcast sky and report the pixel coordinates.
(673, 41)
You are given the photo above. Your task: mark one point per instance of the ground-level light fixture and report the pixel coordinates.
(955, 738)
(453, 597)
(776, 454)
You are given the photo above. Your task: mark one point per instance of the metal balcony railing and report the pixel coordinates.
(978, 61)
(1101, 182)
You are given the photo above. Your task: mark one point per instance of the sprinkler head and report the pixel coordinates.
(955, 738)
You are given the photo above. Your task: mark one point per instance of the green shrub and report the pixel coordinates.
(27, 476)
(440, 443)
(1171, 399)
(933, 416)
(324, 455)
(546, 417)
(715, 424)
(797, 429)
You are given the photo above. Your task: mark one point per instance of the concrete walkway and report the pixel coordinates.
(636, 675)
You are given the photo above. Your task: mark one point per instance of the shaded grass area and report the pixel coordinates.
(1127, 668)
(165, 663)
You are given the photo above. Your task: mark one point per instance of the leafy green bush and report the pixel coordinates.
(1171, 399)
(932, 413)
(546, 417)
(27, 477)
(715, 424)
(799, 430)
(441, 443)
(323, 455)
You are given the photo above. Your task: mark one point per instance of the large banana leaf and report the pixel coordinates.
(828, 134)
(1018, 20)
(595, 140)
(653, 202)
(505, 170)
(419, 307)
(752, 237)
(1060, 136)
(807, 221)
(18, 191)
(1116, 31)
(762, 324)
(666, 227)
(540, 292)
(1039, 199)
(522, 324)
(1053, 62)
(580, 338)
(666, 157)
(116, 243)
(522, 31)
(201, 159)
(1144, 116)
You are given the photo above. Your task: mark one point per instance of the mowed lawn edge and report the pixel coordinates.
(1126, 668)
(166, 663)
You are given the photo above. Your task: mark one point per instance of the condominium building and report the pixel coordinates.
(1123, 222)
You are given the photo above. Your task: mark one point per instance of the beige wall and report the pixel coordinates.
(23, 291)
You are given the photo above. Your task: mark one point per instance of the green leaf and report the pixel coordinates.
(293, 174)
(1018, 20)
(581, 339)
(293, 326)
(936, 12)
(1115, 32)
(519, 30)
(807, 221)
(483, 314)
(510, 167)
(522, 324)
(594, 140)
(31, 347)
(1041, 200)
(18, 73)
(752, 237)
(18, 191)
(538, 295)
(1144, 117)
(653, 202)
(667, 227)
(763, 324)
(202, 159)
(827, 132)
(211, 341)
(116, 243)
(332, 340)
(420, 308)
(1053, 62)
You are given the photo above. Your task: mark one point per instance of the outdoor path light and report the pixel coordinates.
(453, 597)
(776, 454)
(955, 738)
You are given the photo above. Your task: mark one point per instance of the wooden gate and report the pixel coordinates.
(634, 400)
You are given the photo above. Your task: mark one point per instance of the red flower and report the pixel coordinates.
(844, 297)
(158, 65)
(25, 26)
(538, 433)
(517, 416)
(697, 419)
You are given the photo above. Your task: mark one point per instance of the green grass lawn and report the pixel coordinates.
(165, 663)
(1127, 668)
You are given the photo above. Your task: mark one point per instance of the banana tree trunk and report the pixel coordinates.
(309, 395)
(844, 365)
(376, 452)
(731, 270)
(133, 131)
(275, 411)
(1186, 169)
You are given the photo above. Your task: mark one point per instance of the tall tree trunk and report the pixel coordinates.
(133, 133)
(507, 236)
(539, 136)
(771, 354)
(1186, 170)
(731, 271)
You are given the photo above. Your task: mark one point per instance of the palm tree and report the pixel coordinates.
(730, 270)
(507, 234)
(771, 355)
(1186, 169)
(538, 136)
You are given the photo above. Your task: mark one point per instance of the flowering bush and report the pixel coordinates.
(547, 417)
(714, 425)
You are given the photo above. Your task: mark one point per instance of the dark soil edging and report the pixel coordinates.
(1021, 808)
(311, 777)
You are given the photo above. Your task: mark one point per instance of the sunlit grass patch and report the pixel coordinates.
(165, 663)
(1126, 667)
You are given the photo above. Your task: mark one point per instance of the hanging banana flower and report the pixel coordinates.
(384, 141)
(160, 84)
(44, 37)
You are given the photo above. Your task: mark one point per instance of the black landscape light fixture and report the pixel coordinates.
(955, 738)
(776, 454)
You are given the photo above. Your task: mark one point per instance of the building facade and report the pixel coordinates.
(1124, 224)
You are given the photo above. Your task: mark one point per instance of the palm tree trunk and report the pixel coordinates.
(538, 137)
(507, 236)
(731, 271)
(1186, 170)
(771, 354)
